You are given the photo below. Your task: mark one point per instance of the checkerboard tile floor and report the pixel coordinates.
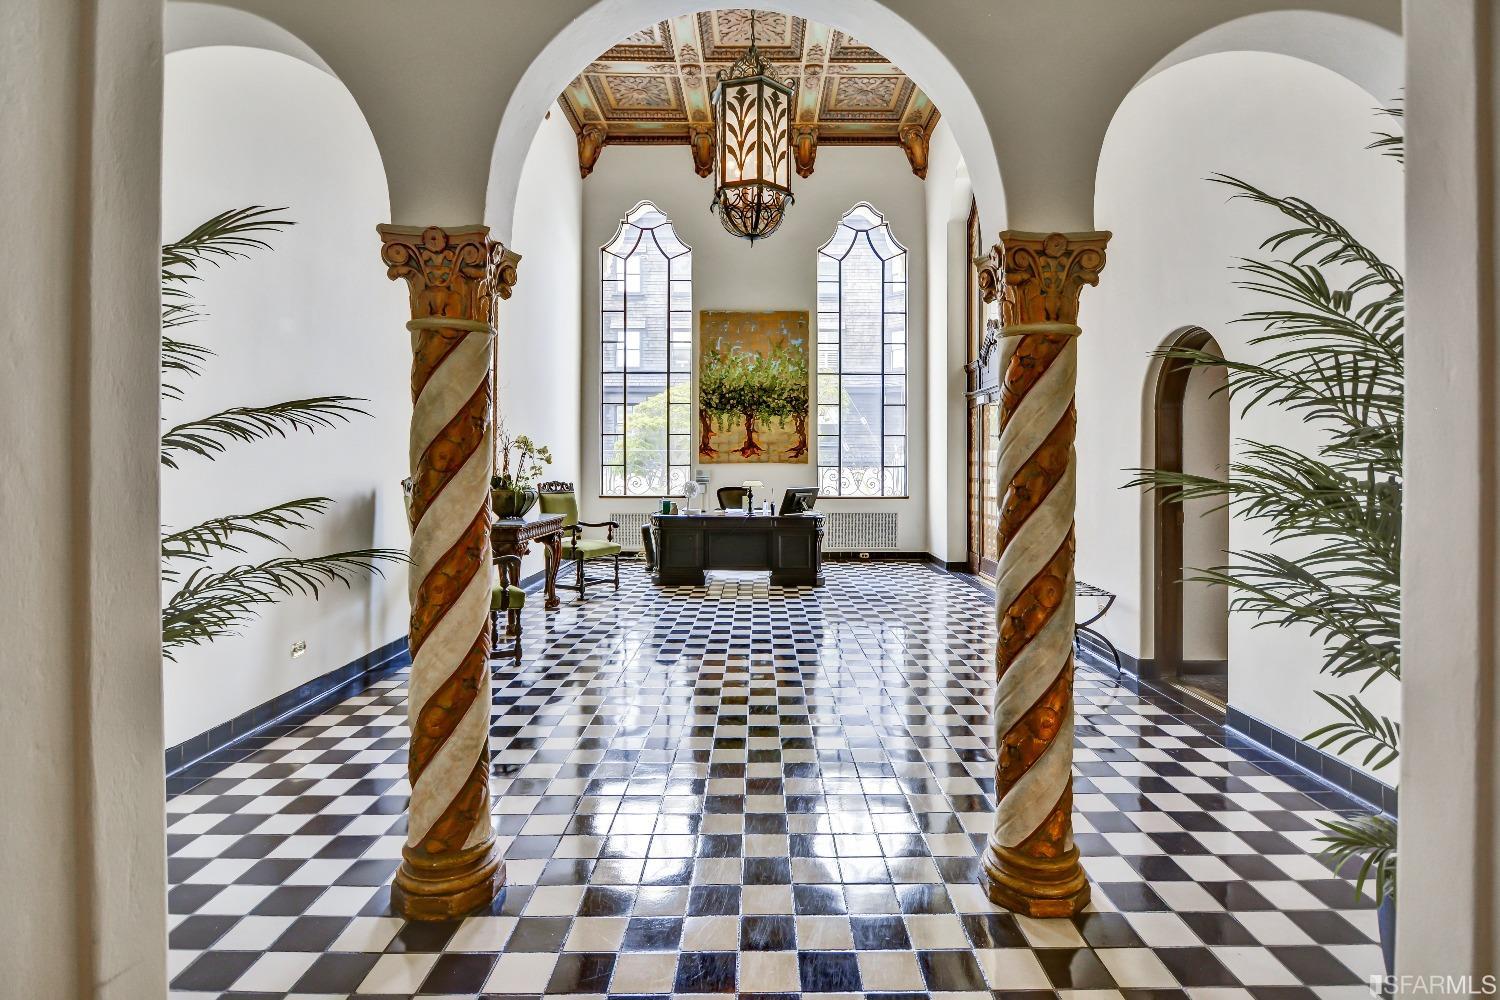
(739, 789)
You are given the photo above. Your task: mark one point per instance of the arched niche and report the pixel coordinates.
(608, 21)
(1364, 53)
(1361, 52)
(1291, 126)
(190, 25)
(1190, 433)
(308, 316)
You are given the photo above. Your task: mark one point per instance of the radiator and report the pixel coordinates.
(859, 531)
(629, 532)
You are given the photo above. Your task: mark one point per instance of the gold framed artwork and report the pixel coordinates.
(753, 386)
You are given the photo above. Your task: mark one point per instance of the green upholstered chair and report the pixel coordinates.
(506, 599)
(560, 498)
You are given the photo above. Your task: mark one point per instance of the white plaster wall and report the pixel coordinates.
(539, 343)
(1205, 524)
(948, 194)
(1449, 910)
(314, 316)
(1287, 126)
(80, 725)
(779, 273)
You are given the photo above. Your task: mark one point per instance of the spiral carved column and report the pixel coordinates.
(450, 865)
(1031, 865)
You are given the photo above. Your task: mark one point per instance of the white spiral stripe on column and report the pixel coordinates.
(1036, 541)
(1029, 801)
(1038, 413)
(1031, 673)
(449, 387)
(451, 513)
(449, 768)
(448, 643)
(449, 516)
(1046, 656)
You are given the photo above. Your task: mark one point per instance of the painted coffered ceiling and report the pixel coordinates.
(655, 86)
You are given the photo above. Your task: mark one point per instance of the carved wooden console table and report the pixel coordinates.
(512, 536)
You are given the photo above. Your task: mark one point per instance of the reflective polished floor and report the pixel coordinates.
(741, 789)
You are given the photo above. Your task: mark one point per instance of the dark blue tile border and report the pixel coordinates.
(1321, 764)
(329, 687)
(1303, 755)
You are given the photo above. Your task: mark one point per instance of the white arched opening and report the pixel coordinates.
(190, 25)
(246, 126)
(604, 24)
(1290, 127)
(949, 194)
(1363, 53)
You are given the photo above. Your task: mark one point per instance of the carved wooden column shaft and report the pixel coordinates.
(450, 865)
(1031, 865)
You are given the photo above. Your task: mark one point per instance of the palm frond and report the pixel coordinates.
(1372, 840)
(227, 236)
(211, 604)
(1332, 340)
(208, 437)
(1318, 232)
(1359, 727)
(180, 357)
(1300, 498)
(1359, 629)
(201, 542)
(1392, 144)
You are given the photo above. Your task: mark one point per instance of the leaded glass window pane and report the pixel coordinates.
(646, 331)
(862, 359)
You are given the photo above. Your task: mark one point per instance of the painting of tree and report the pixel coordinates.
(753, 388)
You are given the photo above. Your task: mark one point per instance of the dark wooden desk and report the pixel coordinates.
(791, 547)
(512, 536)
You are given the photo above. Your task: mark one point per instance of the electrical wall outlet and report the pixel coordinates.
(298, 648)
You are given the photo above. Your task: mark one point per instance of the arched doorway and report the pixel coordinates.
(1191, 430)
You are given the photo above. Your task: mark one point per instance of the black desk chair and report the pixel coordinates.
(648, 547)
(731, 497)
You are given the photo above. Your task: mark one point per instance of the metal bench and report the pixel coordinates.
(1107, 601)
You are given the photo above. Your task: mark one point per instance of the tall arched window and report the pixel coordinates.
(862, 359)
(646, 335)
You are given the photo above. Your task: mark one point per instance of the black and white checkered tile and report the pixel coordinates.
(742, 789)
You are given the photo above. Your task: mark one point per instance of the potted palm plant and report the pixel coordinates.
(521, 461)
(1334, 330)
(212, 594)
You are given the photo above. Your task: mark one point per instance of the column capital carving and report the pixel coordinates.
(1043, 274)
(451, 273)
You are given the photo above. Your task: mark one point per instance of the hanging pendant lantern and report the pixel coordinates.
(752, 127)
